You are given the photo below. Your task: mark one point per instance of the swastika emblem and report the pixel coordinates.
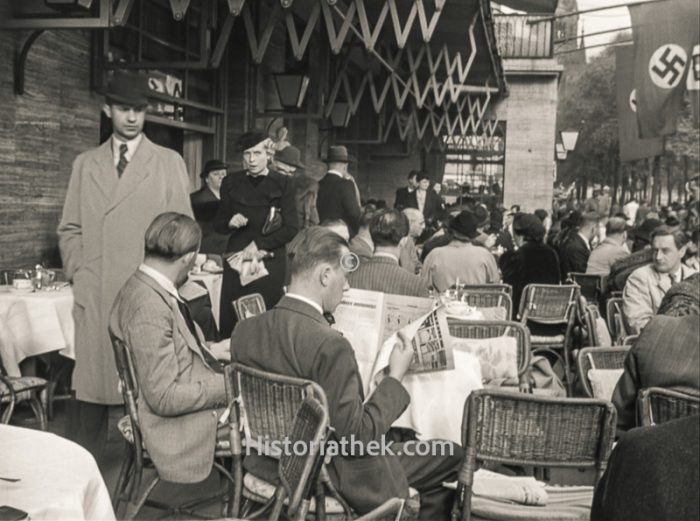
(667, 65)
(633, 100)
(693, 82)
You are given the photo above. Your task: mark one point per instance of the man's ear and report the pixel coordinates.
(324, 275)
(682, 251)
(107, 109)
(187, 257)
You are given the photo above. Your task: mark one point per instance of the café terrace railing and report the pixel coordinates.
(519, 38)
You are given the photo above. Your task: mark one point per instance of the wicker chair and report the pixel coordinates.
(551, 305)
(137, 458)
(491, 300)
(249, 306)
(598, 334)
(599, 358)
(266, 403)
(656, 405)
(616, 320)
(493, 329)
(19, 389)
(489, 288)
(528, 430)
(591, 286)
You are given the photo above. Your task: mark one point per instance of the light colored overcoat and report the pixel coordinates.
(101, 237)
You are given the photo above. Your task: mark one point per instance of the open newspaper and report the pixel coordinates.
(368, 318)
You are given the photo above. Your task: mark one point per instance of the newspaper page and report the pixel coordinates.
(432, 350)
(359, 318)
(400, 310)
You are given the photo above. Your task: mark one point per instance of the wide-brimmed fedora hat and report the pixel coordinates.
(337, 154)
(211, 165)
(465, 223)
(290, 155)
(128, 88)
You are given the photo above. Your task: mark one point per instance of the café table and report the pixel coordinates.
(56, 478)
(34, 323)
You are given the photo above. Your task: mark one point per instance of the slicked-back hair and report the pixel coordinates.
(388, 227)
(679, 236)
(412, 174)
(615, 225)
(313, 246)
(172, 235)
(423, 175)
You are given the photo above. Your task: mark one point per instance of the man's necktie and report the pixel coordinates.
(185, 312)
(121, 166)
(329, 318)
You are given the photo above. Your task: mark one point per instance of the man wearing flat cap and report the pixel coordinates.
(288, 161)
(115, 192)
(205, 205)
(460, 259)
(337, 195)
(257, 206)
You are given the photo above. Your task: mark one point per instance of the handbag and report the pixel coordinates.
(273, 222)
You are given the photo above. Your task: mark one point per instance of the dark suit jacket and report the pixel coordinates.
(652, 475)
(337, 200)
(573, 255)
(432, 206)
(295, 340)
(401, 198)
(179, 392)
(666, 354)
(533, 263)
(385, 275)
(205, 206)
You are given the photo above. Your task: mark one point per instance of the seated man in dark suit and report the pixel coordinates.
(575, 250)
(181, 385)
(652, 475)
(382, 272)
(294, 339)
(402, 193)
(666, 354)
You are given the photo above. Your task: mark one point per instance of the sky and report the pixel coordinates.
(602, 21)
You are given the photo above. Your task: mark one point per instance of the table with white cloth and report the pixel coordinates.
(34, 323)
(58, 479)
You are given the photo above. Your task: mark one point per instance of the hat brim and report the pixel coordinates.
(136, 101)
(464, 234)
(336, 160)
(290, 163)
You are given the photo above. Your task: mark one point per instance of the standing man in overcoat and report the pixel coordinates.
(247, 199)
(115, 192)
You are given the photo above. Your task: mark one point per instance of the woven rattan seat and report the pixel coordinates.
(18, 389)
(528, 430)
(656, 405)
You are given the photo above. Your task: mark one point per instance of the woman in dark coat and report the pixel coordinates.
(533, 262)
(246, 199)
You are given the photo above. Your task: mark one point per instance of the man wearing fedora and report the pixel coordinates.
(337, 196)
(460, 259)
(288, 162)
(257, 206)
(115, 192)
(205, 205)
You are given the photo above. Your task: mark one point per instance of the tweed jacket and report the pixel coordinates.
(294, 339)
(644, 290)
(459, 260)
(337, 199)
(179, 393)
(101, 240)
(384, 274)
(666, 354)
(652, 475)
(605, 255)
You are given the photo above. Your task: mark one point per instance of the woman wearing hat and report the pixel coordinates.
(205, 205)
(257, 206)
(533, 262)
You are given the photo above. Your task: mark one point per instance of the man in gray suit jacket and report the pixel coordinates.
(180, 381)
(294, 339)
(666, 354)
(382, 271)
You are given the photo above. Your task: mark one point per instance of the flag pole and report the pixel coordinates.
(594, 46)
(592, 10)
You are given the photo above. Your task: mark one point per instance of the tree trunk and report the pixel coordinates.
(669, 179)
(686, 168)
(656, 175)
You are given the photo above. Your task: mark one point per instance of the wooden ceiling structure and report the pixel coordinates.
(431, 68)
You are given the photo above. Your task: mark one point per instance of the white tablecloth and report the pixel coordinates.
(213, 284)
(33, 324)
(58, 478)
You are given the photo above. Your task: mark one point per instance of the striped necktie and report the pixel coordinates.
(123, 161)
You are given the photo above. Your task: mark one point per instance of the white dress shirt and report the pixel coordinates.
(131, 145)
(163, 281)
(307, 301)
